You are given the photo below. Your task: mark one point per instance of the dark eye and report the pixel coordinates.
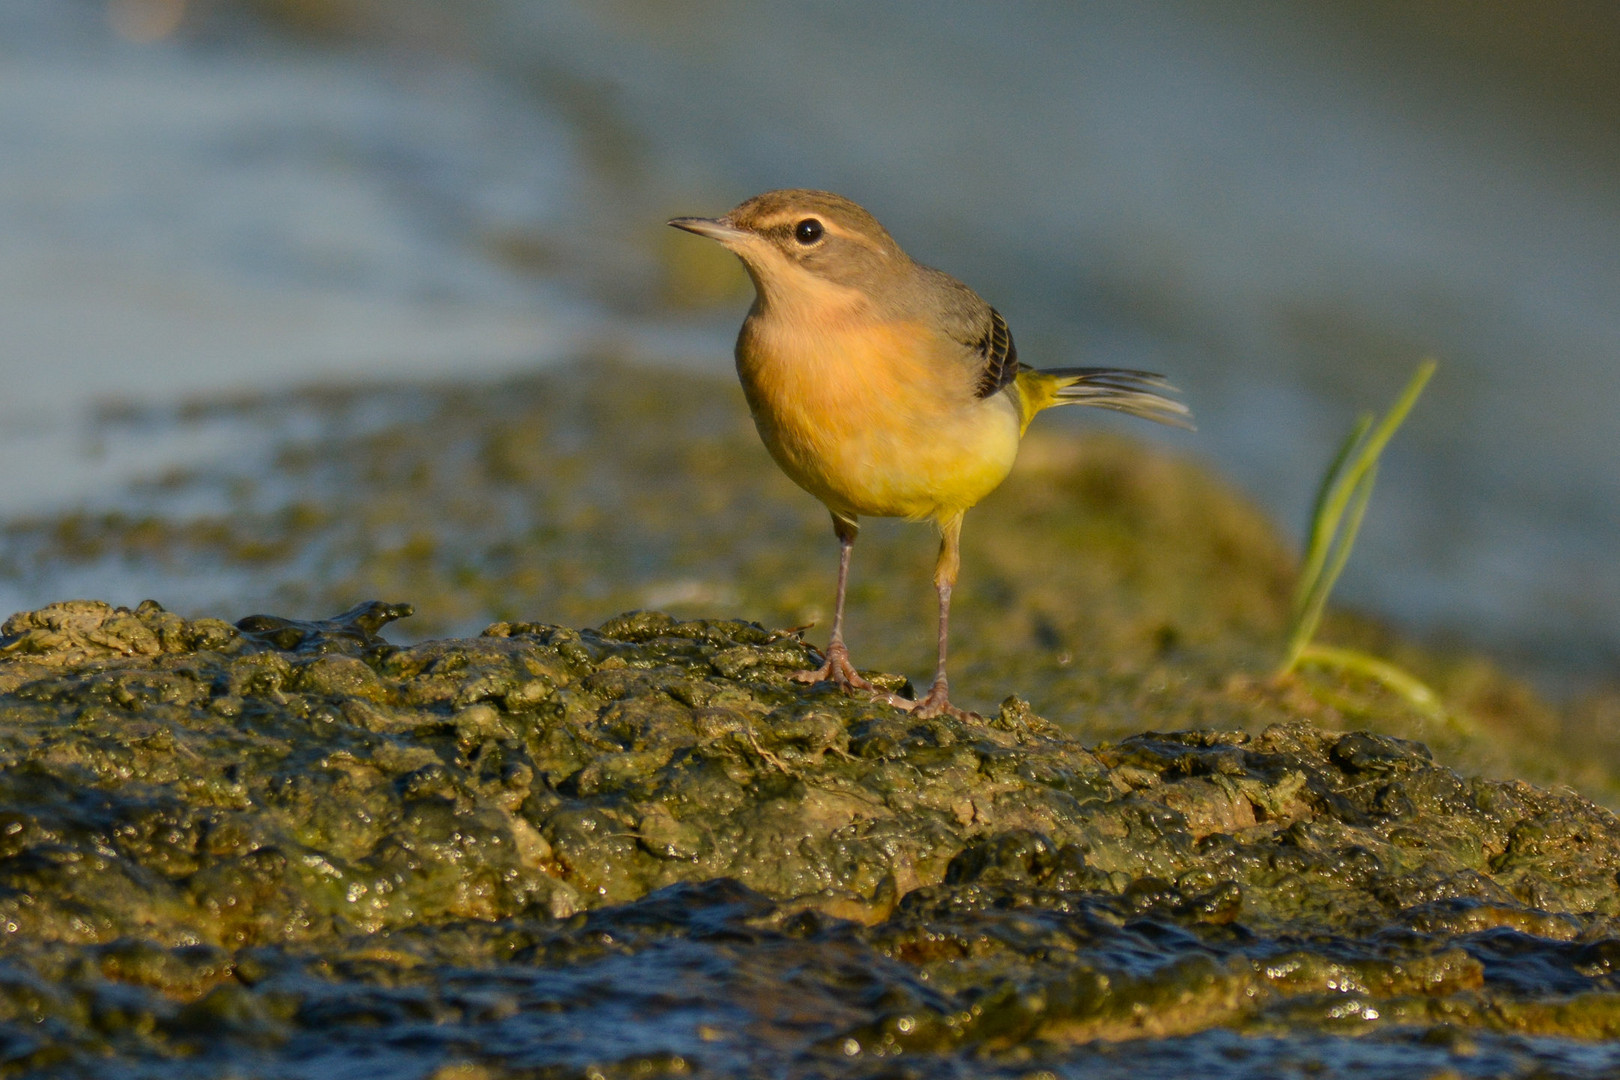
(807, 231)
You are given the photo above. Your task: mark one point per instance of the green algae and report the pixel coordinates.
(250, 841)
(289, 847)
(1112, 584)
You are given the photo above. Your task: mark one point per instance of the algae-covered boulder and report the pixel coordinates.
(642, 850)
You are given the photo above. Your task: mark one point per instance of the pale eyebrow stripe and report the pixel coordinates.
(782, 226)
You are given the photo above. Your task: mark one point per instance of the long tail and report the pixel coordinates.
(1140, 393)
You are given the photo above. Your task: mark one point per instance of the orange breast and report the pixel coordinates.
(875, 418)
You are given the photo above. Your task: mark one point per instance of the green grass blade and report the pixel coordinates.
(1379, 437)
(1414, 690)
(1314, 602)
(1345, 490)
(1323, 524)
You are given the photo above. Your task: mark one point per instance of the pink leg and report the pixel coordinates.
(838, 669)
(938, 701)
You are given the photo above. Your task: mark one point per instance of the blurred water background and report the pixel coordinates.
(1285, 204)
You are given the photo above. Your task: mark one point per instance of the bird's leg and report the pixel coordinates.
(838, 669)
(938, 701)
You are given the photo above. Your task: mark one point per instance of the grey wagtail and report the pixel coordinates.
(885, 387)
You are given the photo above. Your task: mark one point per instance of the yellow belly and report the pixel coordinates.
(871, 419)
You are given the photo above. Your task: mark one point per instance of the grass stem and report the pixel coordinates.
(1336, 516)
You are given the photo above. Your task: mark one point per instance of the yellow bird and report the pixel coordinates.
(887, 388)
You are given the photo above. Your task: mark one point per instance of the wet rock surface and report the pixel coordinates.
(1115, 585)
(289, 848)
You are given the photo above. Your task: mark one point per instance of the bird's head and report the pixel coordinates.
(797, 243)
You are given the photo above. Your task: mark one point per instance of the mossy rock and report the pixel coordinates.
(275, 841)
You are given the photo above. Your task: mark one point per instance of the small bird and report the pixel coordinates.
(887, 388)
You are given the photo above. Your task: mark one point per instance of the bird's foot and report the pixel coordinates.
(938, 703)
(837, 670)
(842, 674)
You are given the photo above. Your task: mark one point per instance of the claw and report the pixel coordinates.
(837, 670)
(938, 703)
(842, 674)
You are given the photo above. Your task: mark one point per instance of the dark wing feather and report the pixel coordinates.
(1000, 357)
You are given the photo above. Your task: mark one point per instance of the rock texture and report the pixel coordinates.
(642, 850)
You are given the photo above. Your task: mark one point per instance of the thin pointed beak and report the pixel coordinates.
(714, 228)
